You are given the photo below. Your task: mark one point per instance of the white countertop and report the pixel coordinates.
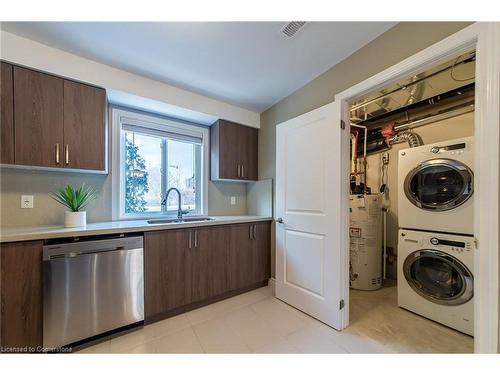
(110, 227)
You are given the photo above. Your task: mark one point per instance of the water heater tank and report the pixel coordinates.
(365, 233)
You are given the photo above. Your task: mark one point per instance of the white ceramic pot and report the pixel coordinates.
(75, 219)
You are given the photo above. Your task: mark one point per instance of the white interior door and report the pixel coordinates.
(311, 215)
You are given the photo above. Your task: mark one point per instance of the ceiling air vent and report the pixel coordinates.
(291, 28)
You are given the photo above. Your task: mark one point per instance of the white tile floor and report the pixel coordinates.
(256, 322)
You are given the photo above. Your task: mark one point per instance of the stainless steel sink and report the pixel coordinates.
(192, 219)
(183, 220)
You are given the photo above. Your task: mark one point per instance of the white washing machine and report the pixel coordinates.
(435, 277)
(435, 185)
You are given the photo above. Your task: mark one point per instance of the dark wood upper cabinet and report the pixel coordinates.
(249, 138)
(21, 294)
(6, 114)
(38, 118)
(84, 126)
(49, 121)
(233, 151)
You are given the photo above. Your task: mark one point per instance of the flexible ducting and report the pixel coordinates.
(406, 136)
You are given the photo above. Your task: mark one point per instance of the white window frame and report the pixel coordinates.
(119, 117)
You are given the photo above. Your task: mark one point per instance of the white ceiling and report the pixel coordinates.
(249, 64)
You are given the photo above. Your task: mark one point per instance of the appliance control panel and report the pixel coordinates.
(453, 245)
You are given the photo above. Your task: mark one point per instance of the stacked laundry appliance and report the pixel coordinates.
(436, 243)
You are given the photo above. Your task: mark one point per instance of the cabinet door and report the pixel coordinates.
(224, 150)
(21, 294)
(262, 250)
(241, 264)
(208, 261)
(248, 140)
(249, 254)
(6, 115)
(166, 274)
(84, 126)
(38, 118)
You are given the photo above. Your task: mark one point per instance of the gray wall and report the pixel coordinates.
(46, 211)
(396, 44)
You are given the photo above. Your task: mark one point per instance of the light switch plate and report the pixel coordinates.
(27, 201)
(233, 201)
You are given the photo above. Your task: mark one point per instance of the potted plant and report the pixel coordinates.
(75, 200)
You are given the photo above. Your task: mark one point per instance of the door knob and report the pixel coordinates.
(280, 220)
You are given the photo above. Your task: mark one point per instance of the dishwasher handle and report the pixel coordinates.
(76, 249)
(81, 253)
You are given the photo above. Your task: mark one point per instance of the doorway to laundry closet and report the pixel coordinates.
(411, 231)
(313, 262)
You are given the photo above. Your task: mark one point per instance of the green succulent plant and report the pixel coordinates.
(75, 199)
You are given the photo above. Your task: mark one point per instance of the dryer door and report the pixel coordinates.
(439, 184)
(439, 277)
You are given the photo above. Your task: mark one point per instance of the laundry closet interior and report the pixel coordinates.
(411, 209)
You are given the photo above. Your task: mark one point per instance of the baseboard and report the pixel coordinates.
(272, 285)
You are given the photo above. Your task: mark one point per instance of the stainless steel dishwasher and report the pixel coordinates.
(91, 287)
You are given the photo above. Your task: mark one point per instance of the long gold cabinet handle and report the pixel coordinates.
(57, 153)
(66, 154)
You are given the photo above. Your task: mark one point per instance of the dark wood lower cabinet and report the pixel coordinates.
(21, 296)
(262, 250)
(250, 256)
(183, 269)
(166, 279)
(208, 262)
(192, 267)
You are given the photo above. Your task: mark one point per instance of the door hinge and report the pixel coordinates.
(341, 304)
(476, 244)
(342, 124)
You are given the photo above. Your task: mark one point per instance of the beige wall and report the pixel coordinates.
(396, 44)
(46, 211)
(457, 127)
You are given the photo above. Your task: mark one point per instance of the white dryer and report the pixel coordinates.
(436, 184)
(435, 277)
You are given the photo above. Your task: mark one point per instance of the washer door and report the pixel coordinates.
(439, 277)
(439, 184)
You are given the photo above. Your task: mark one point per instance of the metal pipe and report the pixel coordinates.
(469, 107)
(354, 153)
(364, 149)
(364, 104)
(384, 243)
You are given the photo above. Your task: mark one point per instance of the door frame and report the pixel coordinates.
(485, 38)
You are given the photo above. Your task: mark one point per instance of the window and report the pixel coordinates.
(155, 155)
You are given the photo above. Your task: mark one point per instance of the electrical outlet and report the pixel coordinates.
(385, 158)
(27, 201)
(233, 201)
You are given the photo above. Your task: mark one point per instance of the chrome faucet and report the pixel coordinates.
(179, 208)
